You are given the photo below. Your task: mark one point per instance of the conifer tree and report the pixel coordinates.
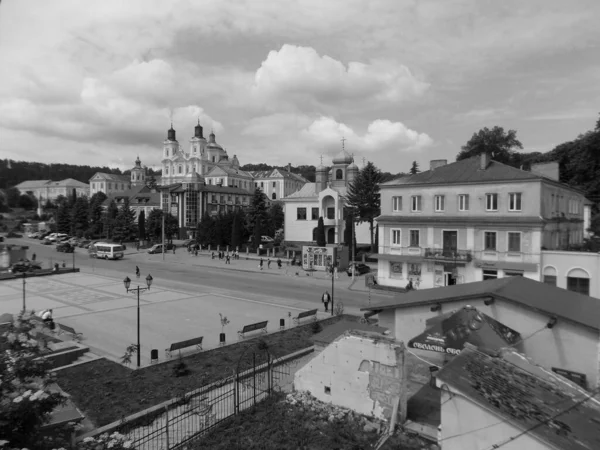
(414, 168)
(96, 214)
(321, 242)
(124, 223)
(236, 230)
(142, 225)
(110, 219)
(257, 215)
(364, 198)
(63, 219)
(80, 223)
(204, 229)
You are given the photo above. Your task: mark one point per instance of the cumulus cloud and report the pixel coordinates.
(380, 135)
(299, 73)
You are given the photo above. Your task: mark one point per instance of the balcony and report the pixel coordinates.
(508, 257)
(449, 255)
(330, 222)
(398, 250)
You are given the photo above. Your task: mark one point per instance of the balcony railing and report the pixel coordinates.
(491, 255)
(441, 254)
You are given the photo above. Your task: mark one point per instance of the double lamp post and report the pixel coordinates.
(137, 290)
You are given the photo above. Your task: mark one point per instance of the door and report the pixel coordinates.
(331, 236)
(449, 279)
(450, 243)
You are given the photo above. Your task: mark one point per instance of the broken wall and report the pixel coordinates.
(361, 371)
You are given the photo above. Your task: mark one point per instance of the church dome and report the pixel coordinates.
(321, 168)
(343, 158)
(352, 167)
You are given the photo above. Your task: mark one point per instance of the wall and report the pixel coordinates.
(567, 346)
(561, 263)
(360, 371)
(467, 426)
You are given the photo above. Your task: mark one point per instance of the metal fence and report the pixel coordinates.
(176, 423)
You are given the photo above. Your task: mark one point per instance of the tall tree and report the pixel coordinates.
(276, 218)
(237, 230)
(110, 219)
(142, 225)
(63, 219)
(321, 241)
(151, 180)
(27, 201)
(414, 169)
(363, 197)
(96, 215)
(171, 227)
(257, 215)
(80, 220)
(12, 197)
(125, 223)
(349, 231)
(154, 225)
(500, 143)
(205, 229)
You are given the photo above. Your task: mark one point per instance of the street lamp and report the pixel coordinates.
(138, 289)
(24, 306)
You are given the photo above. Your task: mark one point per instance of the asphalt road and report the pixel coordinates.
(241, 278)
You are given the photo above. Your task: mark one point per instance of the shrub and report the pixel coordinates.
(180, 369)
(316, 327)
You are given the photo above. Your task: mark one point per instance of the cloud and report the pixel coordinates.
(300, 74)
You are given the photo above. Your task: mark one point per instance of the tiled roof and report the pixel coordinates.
(228, 171)
(69, 182)
(261, 174)
(465, 171)
(111, 177)
(535, 400)
(578, 308)
(309, 190)
(32, 184)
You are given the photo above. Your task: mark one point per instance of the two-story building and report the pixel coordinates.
(278, 183)
(110, 184)
(230, 176)
(473, 220)
(326, 198)
(44, 190)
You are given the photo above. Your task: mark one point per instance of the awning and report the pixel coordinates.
(526, 267)
(449, 332)
(398, 258)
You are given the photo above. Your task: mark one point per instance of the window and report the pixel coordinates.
(109, 185)
(490, 274)
(214, 198)
(581, 285)
(513, 273)
(489, 240)
(550, 279)
(339, 174)
(396, 236)
(414, 269)
(514, 201)
(396, 204)
(274, 184)
(414, 238)
(439, 203)
(463, 202)
(415, 203)
(222, 199)
(274, 196)
(514, 242)
(301, 214)
(396, 269)
(491, 202)
(229, 198)
(331, 213)
(180, 169)
(314, 213)
(262, 184)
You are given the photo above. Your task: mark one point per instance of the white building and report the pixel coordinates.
(278, 183)
(326, 198)
(44, 190)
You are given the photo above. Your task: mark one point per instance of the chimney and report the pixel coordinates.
(484, 160)
(435, 163)
(289, 167)
(548, 170)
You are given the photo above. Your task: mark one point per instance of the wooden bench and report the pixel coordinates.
(262, 326)
(304, 314)
(184, 344)
(67, 329)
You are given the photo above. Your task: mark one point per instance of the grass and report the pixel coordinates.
(107, 391)
(274, 425)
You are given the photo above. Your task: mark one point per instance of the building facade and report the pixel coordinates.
(230, 176)
(110, 184)
(44, 190)
(278, 183)
(473, 220)
(325, 198)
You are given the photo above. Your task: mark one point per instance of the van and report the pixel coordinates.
(156, 248)
(104, 250)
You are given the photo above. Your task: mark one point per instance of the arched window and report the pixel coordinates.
(578, 280)
(314, 235)
(550, 275)
(339, 174)
(180, 169)
(166, 170)
(274, 196)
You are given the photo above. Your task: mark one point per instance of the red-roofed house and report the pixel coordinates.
(474, 220)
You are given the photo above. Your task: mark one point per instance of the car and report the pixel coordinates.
(188, 242)
(156, 248)
(74, 242)
(33, 235)
(46, 242)
(24, 266)
(360, 269)
(63, 239)
(84, 244)
(65, 247)
(44, 235)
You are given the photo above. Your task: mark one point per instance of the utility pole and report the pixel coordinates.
(353, 247)
(164, 248)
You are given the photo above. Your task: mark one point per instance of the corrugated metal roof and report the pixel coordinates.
(309, 190)
(578, 308)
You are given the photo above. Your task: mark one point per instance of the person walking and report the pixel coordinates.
(279, 263)
(137, 272)
(268, 263)
(33, 257)
(260, 264)
(227, 259)
(326, 299)
(212, 256)
(174, 247)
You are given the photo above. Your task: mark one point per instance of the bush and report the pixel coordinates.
(316, 327)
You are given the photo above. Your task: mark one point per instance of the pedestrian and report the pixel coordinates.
(47, 318)
(137, 246)
(260, 264)
(409, 286)
(227, 259)
(137, 272)
(279, 263)
(237, 254)
(268, 263)
(212, 256)
(335, 271)
(33, 257)
(174, 247)
(326, 299)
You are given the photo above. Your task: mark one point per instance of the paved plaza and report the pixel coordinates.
(101, 309)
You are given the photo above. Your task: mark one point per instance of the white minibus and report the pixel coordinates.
(105, 250)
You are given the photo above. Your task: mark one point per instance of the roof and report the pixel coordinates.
(309, 190)
(210, 188)
(332, 332)
(228, 170)
(542, 297)
(69, 182)
(32, 184)
(537, 401)
(111, 177)
(467, 171)
(281, 173)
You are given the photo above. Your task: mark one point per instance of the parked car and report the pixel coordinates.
(46, 242)
(44, 235)
(74, 241)
(84, 244)
(360, 269)
(33, 235)
(189, 242)
(63, 239)
(65, 247)
(24, 266)
(156, 248)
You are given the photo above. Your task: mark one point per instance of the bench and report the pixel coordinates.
(67, 329)
(304, 314)
(262, 326)
(184, 344)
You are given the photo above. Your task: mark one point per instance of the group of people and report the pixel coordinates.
(226, 256)
(262, 261)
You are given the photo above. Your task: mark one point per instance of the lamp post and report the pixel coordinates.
(333, 262)
(138, 289)
(24, 305)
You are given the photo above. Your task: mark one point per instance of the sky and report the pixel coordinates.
(283, 81)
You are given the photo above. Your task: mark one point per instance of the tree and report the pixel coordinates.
(151, 180)
(142, 225)
(321, 242)
(237, 231)
(363, 197)
(12, 197)
(110, 219)
(81, 212)
(154, 225)
(276, 218)
(205, 228)
(414, 168)
(350, 232)
(257, 215)
(63, 219)
(125, 227)
(59, 200)
(73, 198)
(48, 204)
(96, 214)
(501, 144)
(27, 201)
(171, 227)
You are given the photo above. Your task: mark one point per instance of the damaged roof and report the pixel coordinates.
(535, 400)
